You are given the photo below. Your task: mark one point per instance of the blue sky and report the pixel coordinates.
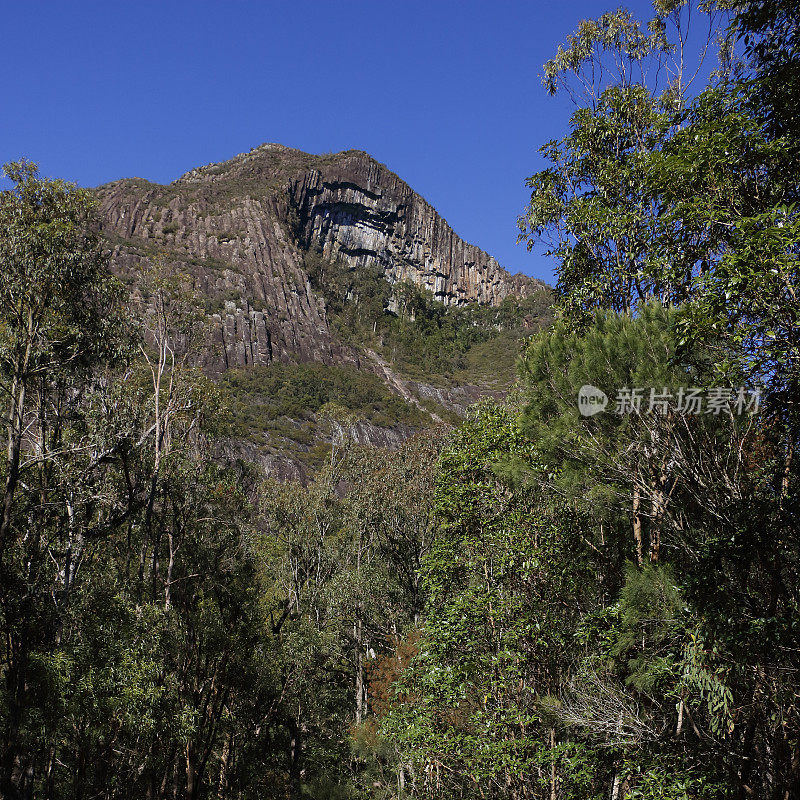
(446, 94)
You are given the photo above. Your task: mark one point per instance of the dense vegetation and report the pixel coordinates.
(536, 604)
(613, 600)
(263, 399)
(418, 334)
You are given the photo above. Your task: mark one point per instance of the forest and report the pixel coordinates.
(588, 589)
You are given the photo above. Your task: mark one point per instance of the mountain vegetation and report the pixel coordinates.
(541, 600)
(420, 335)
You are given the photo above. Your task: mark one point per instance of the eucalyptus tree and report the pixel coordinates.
(597, 205)
(61, 310)
(61, 319)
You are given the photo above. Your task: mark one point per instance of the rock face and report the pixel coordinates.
(356, 210)
(240, 229)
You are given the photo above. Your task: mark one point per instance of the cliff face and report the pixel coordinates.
(240, 229)
(356, 210)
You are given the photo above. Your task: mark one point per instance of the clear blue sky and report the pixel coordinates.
(446, 94)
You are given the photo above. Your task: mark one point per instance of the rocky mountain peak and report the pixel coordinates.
(241, 229)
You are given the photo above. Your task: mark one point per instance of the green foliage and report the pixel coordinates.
(668, 677)
(498, 628)
(650, 629)
(421, 337)
(769, 29)
(338, 583)
(616, 34)
(261, 398)
(616, 351)
(61, 307)
(593, 460)
(533, 605)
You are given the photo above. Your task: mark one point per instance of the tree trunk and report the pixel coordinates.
(223, 767)
(170, 565)
(191, 775)
(16, 413)
(295, 757)
(15, 428)
(637, 525)
(360, 682)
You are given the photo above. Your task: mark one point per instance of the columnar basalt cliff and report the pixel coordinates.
(357, 211)
(240, 229)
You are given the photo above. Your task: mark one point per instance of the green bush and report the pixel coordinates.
(260, 396)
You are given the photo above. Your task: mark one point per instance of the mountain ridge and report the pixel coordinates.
(351, 206)
(299, 258)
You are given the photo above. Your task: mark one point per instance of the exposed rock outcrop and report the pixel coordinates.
(356, 210)
(240, 228)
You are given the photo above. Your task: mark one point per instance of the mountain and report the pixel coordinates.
(240, 229)
(302, 258)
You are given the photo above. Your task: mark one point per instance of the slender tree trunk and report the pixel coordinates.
(15, 683)
(295, 756)
(223, 767)
(191, 789)
(360, 683)
(51, 773)
(637, 524)
(660, 499)
(787, 471)
(15, 427)
(16, 413)
(170, 565)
